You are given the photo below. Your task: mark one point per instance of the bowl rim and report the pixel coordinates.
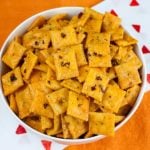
(60, 140)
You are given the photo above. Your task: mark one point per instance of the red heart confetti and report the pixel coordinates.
(20, 130)
(46, 144)
(148, 78)
(145, 49)
(137, 27)
(134, 3)
(113, 13)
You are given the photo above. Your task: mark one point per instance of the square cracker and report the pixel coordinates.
(28, 65)
(76, 126)
(111, 73)
(56, 126)
(119, 118)
(113, 50)
(100, 41)
(113, 97)
(34, 122)
(53, 84)
(88, 135)
(50, 75)
(82, 18)
(80, 55)
(72, 84)
(93, 25)
(110, 22)
(50, 62)
(24, 101)
(128, 75)
(132, 58)
(117, 34)
(95, 83)
(13, 103)
(46, 123)
(38, 22)
(98, 45)
(94, 22)
(93, 106)
(37, 38)
(78, 106)
(83, 71)
(127, 54)
(132, 94)
(64, 37)
(126, 41)
(51, 81)
(101, 123)
(66, 64)
(80, 36)
(36, 76)
(124, 110)
(74, 21)
(18, 39)
(58, 100)
(79, 20)
(12, 81)
(66, 132)
(55, 24)
(40, 105)
(13, 54)
(122, 54)
(40, 86)
(93, 14)
(98, 60)
(41, 67)
(44, 54)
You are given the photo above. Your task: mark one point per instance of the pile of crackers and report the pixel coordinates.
(73, 77)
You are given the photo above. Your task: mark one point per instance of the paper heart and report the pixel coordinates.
(134, 3)
(20, 130)
(136, 27)
(46, 144)
(113, 12)
(148, 78)
(145, 50)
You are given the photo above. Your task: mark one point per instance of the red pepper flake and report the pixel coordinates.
(98, 78)
(45, 105)
(63, 35)
(13, 78)
(65, 64)
(93, 88)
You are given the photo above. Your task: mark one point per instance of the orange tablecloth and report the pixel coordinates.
(135, 135)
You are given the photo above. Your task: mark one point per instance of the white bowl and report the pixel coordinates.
(19, 30)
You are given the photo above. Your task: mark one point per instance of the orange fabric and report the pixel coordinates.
(135, 135)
